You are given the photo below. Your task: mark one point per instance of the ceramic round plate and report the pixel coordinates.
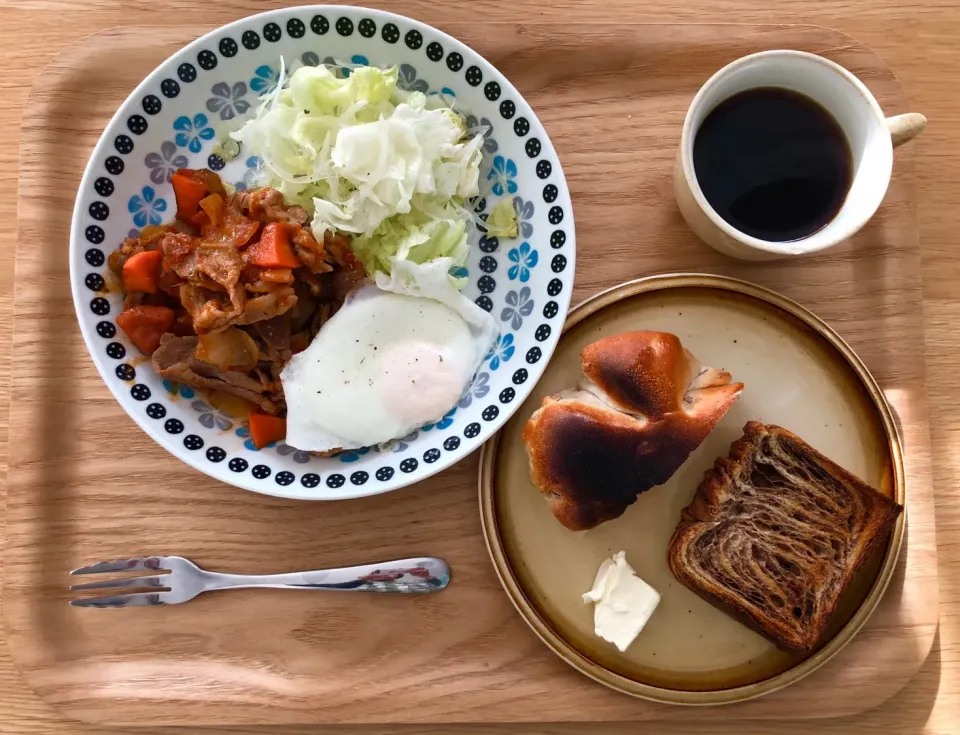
(798, 374)
(191, 101)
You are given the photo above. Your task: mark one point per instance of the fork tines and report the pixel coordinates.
(143, 563)
(149, 563)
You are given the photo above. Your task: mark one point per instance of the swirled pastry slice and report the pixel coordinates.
(775, 534)
(644, 404)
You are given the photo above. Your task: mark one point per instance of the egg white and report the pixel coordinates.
(389, 361)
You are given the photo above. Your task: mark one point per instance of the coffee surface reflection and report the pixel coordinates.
(773, 163)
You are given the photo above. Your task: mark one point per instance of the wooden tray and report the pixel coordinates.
(613, 99)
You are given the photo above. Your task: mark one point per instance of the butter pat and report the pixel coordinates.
(623, 603)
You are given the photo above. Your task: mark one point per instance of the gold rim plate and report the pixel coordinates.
(798, 373)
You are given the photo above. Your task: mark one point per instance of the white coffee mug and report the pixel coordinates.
(871, 136)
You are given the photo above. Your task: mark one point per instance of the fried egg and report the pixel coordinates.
(396, 356)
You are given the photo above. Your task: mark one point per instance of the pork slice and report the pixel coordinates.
(209, 310)
(350, 273)
(240, 201)
(172, 351)
(338, 251)
(175, 359)
(310, 252)
(206, 264)
(267, 205)
(180, 254)
(344, 281)
(275, 332)
(269, 305)
(221, 262)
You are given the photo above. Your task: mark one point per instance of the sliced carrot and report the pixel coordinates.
(215, 208)
(189, 190)
(266, 429)
(144, 325)
(141, 272)
(273, 250)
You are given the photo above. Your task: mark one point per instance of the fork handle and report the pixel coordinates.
(418, 575)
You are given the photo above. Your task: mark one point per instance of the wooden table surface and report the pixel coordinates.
(919, 42)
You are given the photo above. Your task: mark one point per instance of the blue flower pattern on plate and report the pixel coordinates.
(297, 455)
(210, 417)
(477, 389)
(519, 305)
(501, 351)
(502, 174)
(355, 59)
(449, 97)
(352, 455)
(265, 80)
(398, 445)
(252, 164)
(146, 208)
(193, 132)
(181, 389)
(524, 210)
(407, 79)
(340, 71)
(163, 164)
(228, 101)
(335, 66)
(523, 258)
(484, 127)
(443, 423)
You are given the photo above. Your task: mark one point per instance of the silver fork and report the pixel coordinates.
(183, 580)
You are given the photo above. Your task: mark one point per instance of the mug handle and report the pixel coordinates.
(905, 127)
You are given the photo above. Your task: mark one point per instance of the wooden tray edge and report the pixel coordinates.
(78, 710)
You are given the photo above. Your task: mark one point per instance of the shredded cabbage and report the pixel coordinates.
(502, 221)
(388, 166)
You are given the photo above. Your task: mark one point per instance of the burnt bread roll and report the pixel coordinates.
(776, 533)
(643, 405)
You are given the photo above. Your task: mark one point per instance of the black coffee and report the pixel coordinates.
(773, 163)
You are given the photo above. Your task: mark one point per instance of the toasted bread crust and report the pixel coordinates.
(645, 406)
(600, 460)
(641, 372)
(792, 565)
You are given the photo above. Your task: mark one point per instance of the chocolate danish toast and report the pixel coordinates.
(776, 533)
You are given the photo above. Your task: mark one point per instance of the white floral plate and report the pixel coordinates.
(176, 116)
